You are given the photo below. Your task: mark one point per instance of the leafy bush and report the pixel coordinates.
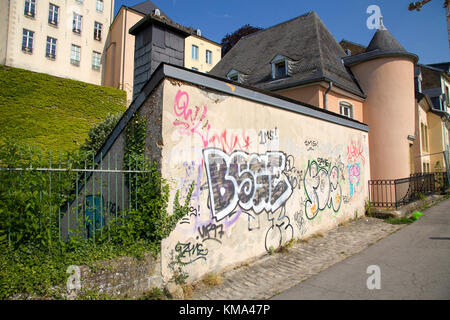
(98, 134)
(33, 258)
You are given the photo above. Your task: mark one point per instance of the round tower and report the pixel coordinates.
(385, 72)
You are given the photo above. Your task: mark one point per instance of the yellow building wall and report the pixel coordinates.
(119, 71)
(421, 155)
(203, 45)
(437, 146)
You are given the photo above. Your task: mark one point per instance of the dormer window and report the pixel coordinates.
(279, 67)
(234, 75)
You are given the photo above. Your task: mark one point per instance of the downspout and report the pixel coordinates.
(124, 46)
(325, 102)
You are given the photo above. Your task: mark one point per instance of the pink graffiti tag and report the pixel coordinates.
(192, 121)
(355, 152)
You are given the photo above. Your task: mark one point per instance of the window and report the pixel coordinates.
(30, 8)
(208, 57)
(99, 5)
(98, 31)
(424, 134)
(77, 20)
(80, 1)
(96, 60)
(279, 67)
(50, 50)
(346, 109)
(27, 41)
(234, 75)
(53, 14)
(194, 52)
(75, 55)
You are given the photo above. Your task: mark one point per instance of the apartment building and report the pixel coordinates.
(64, 38)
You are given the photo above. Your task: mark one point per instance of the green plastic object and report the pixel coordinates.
(416, 215)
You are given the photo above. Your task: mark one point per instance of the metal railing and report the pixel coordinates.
(399, 192)
(67, 193)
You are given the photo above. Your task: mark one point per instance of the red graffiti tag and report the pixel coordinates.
(355, 152)
(231, 142)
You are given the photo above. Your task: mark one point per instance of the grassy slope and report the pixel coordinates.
(51, 113)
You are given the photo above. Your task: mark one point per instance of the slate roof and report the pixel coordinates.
(313, 52)
(146, 8)
(384, 41)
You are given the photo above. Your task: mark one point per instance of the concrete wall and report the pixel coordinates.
(389, 110)
(153, 46)
(60, 66)
(261, 179)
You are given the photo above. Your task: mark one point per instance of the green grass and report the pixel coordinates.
(402, 220)
(51, 113)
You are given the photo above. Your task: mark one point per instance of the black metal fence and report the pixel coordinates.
(396, 193)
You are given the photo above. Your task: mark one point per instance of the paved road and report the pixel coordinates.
(414, 263)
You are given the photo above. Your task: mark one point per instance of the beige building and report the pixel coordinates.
(120, 47)
(201, 54)
(64, 38)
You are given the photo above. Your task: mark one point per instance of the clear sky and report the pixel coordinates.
(423, 33)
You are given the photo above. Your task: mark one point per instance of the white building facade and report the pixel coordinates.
(64, 38)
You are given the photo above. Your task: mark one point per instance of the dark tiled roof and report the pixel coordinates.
(146, 8)
(161, 20)
(313, 52)
(383, 44)
(444, 66)
(384, 41)
(355, 48)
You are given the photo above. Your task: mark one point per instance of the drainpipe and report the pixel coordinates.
(124, 45)
(325, 102)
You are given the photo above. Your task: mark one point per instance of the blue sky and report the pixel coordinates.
(423, 33)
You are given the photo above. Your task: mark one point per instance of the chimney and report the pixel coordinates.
(157, 41)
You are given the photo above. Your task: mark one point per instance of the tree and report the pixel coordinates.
(230, 40)
(98, 134)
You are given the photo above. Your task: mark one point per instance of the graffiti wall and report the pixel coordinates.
(262, 176)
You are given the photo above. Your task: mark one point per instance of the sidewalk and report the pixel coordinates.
(275, 273)
(412, 264)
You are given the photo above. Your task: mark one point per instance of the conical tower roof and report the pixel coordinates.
(384, 41)
(383, 44)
